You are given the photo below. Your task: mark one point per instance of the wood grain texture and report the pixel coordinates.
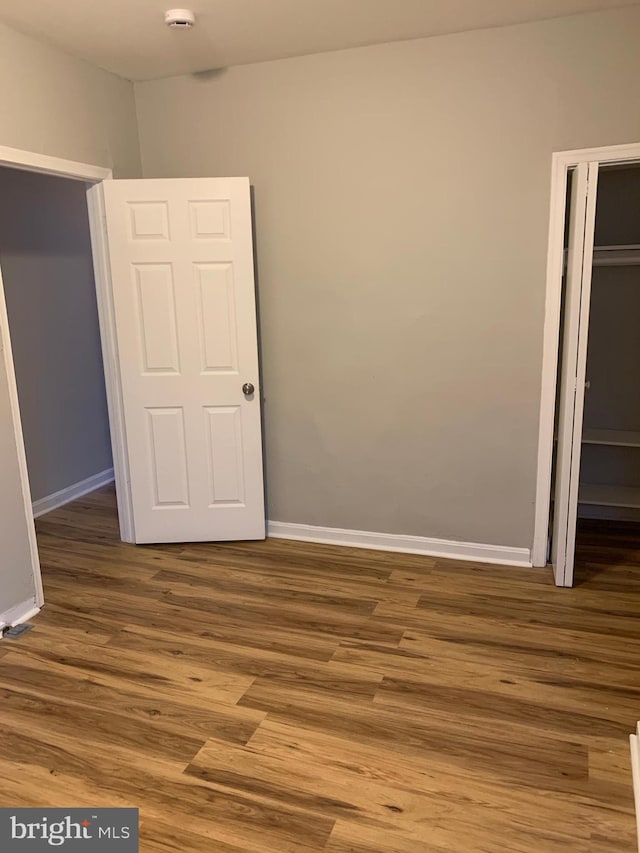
(283, 696)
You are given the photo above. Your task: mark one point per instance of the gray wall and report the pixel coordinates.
(45, 255)
(402, 197)
(56, 105)
(613, 353)
(618, 206)
(613, 350)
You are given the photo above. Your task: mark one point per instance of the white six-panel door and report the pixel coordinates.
(582, 213)
(181, 261)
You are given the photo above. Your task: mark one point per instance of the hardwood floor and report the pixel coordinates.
(282, 696)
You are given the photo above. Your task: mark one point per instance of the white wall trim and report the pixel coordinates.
(70, 493)
(551, 336)
(501, 554)
(32, 162)
(561, 162)
(635, 770)
(17, 615)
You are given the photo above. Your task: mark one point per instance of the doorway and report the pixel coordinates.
(589, 451)
(22, 593)
(175, 292)
(49, 288)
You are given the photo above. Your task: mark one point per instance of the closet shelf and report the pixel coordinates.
(597, 495)
(616, 256)
(611, 437)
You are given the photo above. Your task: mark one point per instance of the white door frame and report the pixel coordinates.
(91, 175)
(561, 163)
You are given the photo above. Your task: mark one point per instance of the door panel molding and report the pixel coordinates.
(182, 291)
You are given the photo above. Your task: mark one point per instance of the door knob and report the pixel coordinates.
(248, 389)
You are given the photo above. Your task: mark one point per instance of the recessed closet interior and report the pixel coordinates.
(47, 273)
(609, 483)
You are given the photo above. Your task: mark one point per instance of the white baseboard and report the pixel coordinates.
(17, 615)
(70, 493)
(407, 544)
(635, 770)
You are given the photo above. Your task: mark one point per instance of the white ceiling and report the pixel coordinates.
(129, 37)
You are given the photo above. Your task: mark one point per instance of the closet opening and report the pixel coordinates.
(592, 504)
(609, 482)
(50, 295)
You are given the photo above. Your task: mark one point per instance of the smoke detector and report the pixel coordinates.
(179, 18)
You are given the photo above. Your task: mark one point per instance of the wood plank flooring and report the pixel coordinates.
(282, 696)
